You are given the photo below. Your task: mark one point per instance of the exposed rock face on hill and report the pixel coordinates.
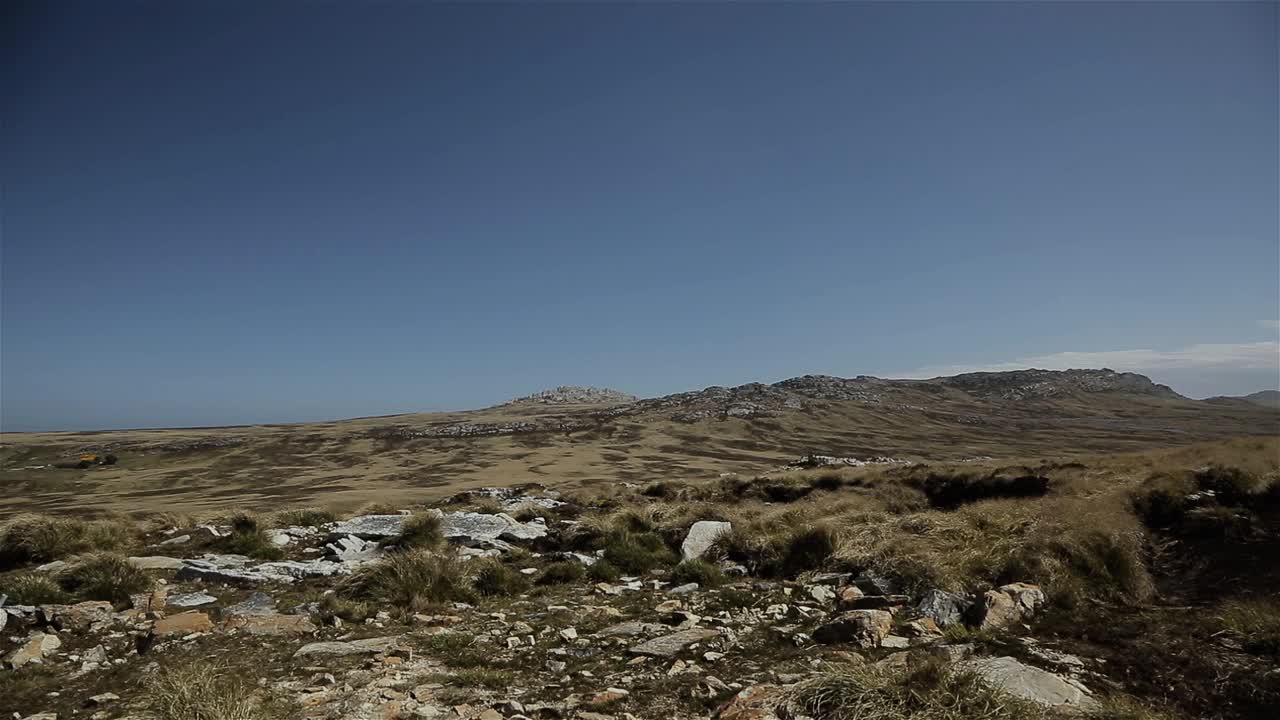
(1026, 384)
(575, 395)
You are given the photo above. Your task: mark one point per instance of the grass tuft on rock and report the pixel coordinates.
(249, 537)
(103, 576)
(412, 580)
(423, 530)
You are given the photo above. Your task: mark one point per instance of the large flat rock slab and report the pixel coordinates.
(670, 645)
(367, 646)
(1032, 683)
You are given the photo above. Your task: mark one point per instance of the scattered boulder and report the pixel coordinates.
(34, 650)
(702, 535)
(79, 617)
(670, 645)
(157, 562)
(183, 624)
(944, 608)
(864, 628)
(1006, 605)
(370, 527)
(757, 702)
(1032, 683)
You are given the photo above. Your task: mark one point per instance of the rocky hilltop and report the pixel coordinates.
(1026, 384)
(577, 395)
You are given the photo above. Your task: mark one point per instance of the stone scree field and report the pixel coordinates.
(1138, 585)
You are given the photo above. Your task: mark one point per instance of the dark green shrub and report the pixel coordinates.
(706, 574)
(493, 579)
(637, 552)
(808, 549)
(248, 537)
(560, 573)
(603, 571)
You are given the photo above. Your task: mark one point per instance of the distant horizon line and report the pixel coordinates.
(374, 416)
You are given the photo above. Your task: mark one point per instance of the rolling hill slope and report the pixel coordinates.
(551, 438)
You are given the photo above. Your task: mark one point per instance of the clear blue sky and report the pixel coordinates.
(271, 211)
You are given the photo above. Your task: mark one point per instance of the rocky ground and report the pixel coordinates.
(539, 621)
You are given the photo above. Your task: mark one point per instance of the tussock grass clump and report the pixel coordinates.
(493, 579)
(33, 538)
(33, 589)
(103, 576)
(412, 580)
(778, 552)
(562, 573)
(637, 551)
(928, 690)
(303, 517)
(422, 530)
(706, 574)
(201, 692)
(249, 537)
(1077, 562)
(1256, 623)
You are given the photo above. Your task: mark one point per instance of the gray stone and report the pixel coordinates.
(191, 599)
(944, 608)
(370, 527)
(52, 567)
(176, 540)
(896, 642)
(683, 589)
(156, 562)
(258, 603)
(469, 528)
(1032, 683)
(670, 645)
(702, 535)
(352, 549)
(367, 646)
(874, 584)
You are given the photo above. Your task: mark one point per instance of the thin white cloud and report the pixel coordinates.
(1235, 356)
(1270, 324)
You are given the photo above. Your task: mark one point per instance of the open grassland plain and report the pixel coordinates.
(1139, 585)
